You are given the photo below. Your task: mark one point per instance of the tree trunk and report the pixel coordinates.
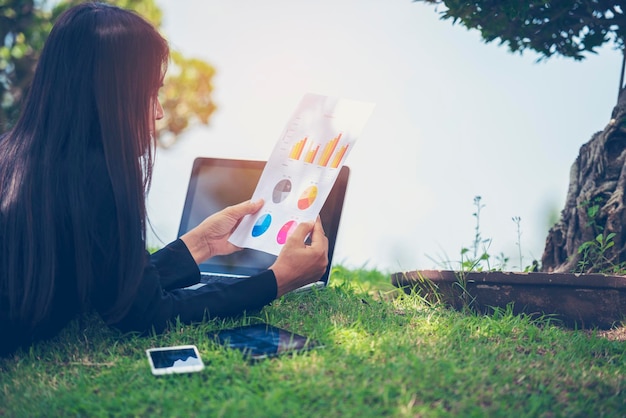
(591, 234)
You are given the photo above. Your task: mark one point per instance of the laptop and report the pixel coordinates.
(216, 183)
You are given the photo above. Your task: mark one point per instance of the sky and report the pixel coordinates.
(455, 118)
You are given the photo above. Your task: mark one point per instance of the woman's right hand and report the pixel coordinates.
(298, 263)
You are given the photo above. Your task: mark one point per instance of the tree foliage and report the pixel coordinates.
(568, 28)
(24, 26)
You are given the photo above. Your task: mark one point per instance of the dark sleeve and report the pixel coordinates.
(161, 299)
(176, 266)
(160, 296)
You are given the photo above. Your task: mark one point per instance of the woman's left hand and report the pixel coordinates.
(210, 238)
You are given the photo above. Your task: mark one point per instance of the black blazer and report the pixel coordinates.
(161, 295)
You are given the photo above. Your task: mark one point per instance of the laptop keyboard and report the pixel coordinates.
(216, 278)
(213, 278)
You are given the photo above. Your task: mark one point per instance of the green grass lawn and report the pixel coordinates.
(385, 354)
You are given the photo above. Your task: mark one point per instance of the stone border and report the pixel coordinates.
(576, 300)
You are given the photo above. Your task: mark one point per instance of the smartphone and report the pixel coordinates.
(261, 341)
(177, 359)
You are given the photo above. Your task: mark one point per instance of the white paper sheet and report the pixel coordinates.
(302, 169)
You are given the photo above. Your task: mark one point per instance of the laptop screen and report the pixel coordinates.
(217, 183)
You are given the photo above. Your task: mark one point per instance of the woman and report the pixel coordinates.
(73, 176)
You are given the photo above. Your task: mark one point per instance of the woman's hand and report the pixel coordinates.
(298, 263)
(210, 238)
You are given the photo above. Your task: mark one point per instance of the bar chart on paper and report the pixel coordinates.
(329, 153)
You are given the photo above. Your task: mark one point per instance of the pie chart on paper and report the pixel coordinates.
(285, 231)
(307, 198)
(281, 191)
(261, 225)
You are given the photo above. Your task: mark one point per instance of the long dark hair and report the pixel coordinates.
(95, 88)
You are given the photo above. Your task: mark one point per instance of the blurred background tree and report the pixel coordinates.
(24, 25)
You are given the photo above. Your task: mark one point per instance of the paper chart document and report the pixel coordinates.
(302, 169)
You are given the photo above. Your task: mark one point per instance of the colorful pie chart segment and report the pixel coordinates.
(281, 191)
(285, 231)
(307, 198)
(261, 225)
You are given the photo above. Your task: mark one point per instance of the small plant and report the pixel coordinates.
(481, 245)
(478, 258)
(593, 210)
(595, 254)
(518, 221)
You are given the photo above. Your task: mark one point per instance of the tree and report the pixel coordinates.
(24, 26)
(566, 28)
(591, 233)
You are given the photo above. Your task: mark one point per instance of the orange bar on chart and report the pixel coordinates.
(296, 150)
(311, 153)
(328, 150)
(338, 156)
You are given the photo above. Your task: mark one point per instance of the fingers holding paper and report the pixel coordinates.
(299, 263)
(210, 238)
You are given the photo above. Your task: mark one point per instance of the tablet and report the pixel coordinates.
(260, 341)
